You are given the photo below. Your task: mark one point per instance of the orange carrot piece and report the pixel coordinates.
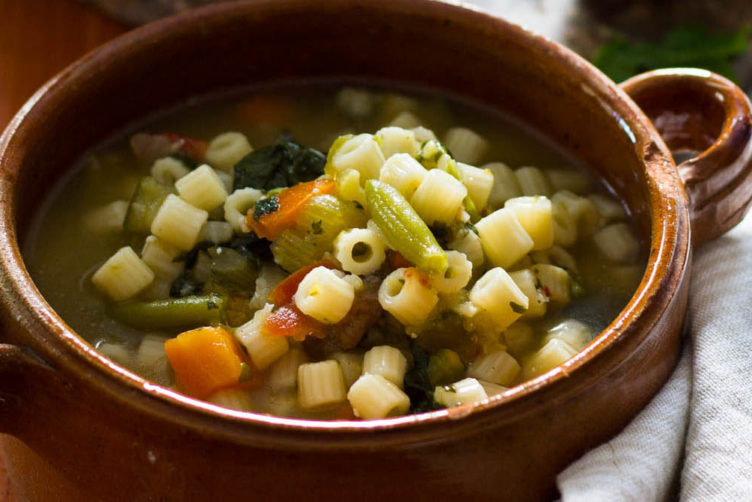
(290, 322)
(291, 203)
(205, 360)
(284, 291)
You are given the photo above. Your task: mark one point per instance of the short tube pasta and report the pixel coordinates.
(324, 295)
(123, 275)
(500, 297)
(351, 364)
(552, 354)
(216, 232)
(466, 391)
(503, 239)
(569, 179)
(160, 257)
(526, 280)
(465, 144)
(361, 153)
(107, 218)
(202, 188)
(468, 243)
(233, 398)
(359, 250)
(237, 205)
(394, 140)
(456, 276)
(571, 331)
(320, 384)
(373, 396)
(505, 184)
(555, 281)
(497, 367)
(618, 243)
(227, 149)
(534, 214)
(479, 183)
(386, 361)
(178, 222)
(405, 295)
(532, 181)
(283, 374)
(438, 197)
(168, 170)
(263, 349)
(403, 172)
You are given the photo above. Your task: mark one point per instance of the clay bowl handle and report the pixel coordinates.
(705, 119)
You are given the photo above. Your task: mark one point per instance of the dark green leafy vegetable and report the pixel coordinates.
(684, 46)
(418, 383)
(282, 164)
(265, 206)
(186, 285)
(445, 367)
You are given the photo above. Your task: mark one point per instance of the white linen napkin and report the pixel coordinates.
(698, 430)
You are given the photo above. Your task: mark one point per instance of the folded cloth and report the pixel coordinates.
(698, 429)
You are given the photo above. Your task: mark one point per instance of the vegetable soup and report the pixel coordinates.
(334, 253)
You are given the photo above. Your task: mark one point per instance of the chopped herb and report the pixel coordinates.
(471, 227)
(517, 308)
(358, 204)
(282, 164)
(684, 46)
(418, 384)
(211, 305)
(186, 159)
(266, 206)
(316, 228)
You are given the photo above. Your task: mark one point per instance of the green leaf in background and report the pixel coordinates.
(684, 46)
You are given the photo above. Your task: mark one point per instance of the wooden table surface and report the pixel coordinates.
(38, 38)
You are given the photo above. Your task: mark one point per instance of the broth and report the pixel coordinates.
(62, 252)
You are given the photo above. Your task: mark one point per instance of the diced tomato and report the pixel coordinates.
(284, 291)
(290, 322)
(193, 148)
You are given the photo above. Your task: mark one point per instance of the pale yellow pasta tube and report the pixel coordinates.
(160, 257)
(618, 243)
(361, 153)
(216, 232)
(359, 250)
(526, 281)
(468, 243)
(168, 170)
(237, 205)
(439, 197)
(324, 295)
(264, 349)
(373, 396)
(555, 282)
(403, 172)
(405, 294)
(534, 214)
(609, 209)
(457, 275)
(107, 218)
(466, 145)
(123, 275)
(569, 179)
(479, 183)
(178, 222)
(505, 184)
(497, 367)
(582, 210)
(552, 354)
(151, 360)
(466, 391)
(202, 188)
(283, 374)
(233, 398)
(503, 239)
(571, 331)
(349, 186)
(351, 364)
(386, 361)
(227, 149)
(405, 120)
(320, 384)
(394, 140)
(500, 297)
(532, 181)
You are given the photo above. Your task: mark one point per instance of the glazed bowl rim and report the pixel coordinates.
(73, 356)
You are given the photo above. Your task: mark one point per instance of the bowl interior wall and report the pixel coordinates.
(471, 58)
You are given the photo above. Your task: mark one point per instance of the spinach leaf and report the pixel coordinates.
(417, 382)
(185, 285)
(684, 46)
(282, 164)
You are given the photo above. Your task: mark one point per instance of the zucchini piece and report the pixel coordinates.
(145, 204)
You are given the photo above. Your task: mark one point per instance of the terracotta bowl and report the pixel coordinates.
(85, 428)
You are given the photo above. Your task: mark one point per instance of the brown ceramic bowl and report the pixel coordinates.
(84, 428)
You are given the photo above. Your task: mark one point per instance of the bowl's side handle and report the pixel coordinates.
(705, 119)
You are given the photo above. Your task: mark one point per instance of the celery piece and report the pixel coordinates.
(336, 145)
(170, 313)
(403, 229)
(144, 205)
(445, 367)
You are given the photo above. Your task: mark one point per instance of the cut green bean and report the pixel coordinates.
(403, 229)
(170, 313)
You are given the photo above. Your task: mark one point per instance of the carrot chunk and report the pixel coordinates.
(205, 360)
(291, 202)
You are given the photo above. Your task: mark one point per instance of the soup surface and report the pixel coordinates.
(333, 253)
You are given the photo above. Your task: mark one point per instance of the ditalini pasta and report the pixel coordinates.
(371, 255)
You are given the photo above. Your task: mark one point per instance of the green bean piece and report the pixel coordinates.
(170, 313)
(403, 229)
(445, 367)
